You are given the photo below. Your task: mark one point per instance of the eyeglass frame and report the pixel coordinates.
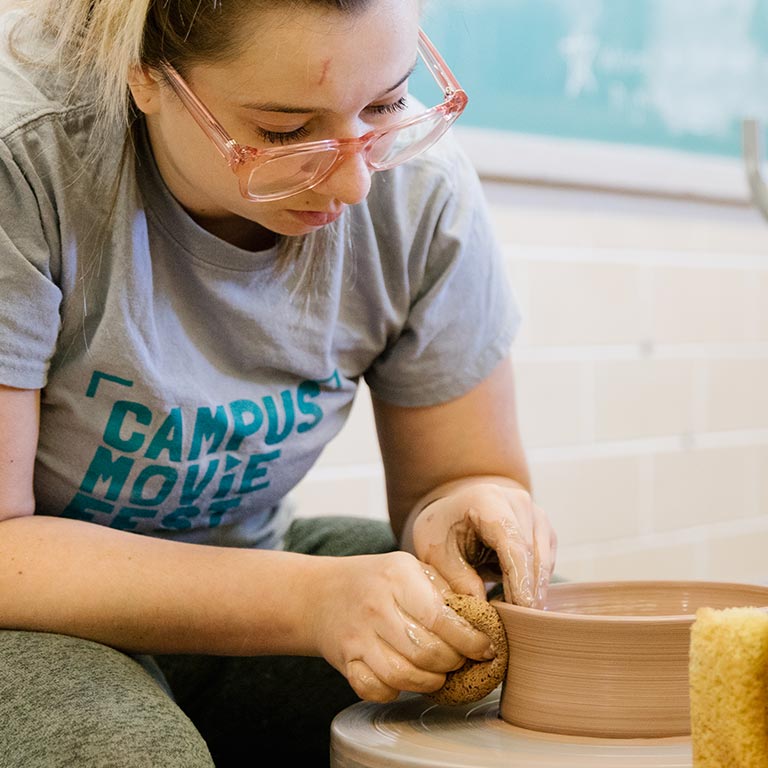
(244, 159)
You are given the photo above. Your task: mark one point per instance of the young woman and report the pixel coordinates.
(219, 217)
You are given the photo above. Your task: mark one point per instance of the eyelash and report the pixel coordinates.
(278, 137)
(388, 109)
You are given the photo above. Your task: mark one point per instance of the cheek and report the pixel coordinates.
(210, 180)
(205, 168)
(192, 153)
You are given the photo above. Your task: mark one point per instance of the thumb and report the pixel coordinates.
(463, 579)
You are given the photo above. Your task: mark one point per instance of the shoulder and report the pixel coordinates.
(435, 195)
(439, 188)
(441, 172)
(37, 103)
(52, 162)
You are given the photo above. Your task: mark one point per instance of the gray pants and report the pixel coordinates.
(71, 702)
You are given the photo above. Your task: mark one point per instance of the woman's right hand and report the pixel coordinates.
(382, 621)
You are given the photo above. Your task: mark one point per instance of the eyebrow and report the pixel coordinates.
(272, 106)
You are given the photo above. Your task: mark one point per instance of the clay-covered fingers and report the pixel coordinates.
(460, 634)
(387, 668)
(417, 659)
(546, 551)
(425, 648)
(510, 523)
(527, 586)
(386, 626)
(456, 638)
(482, 524)
(428, 634)
(366, 684)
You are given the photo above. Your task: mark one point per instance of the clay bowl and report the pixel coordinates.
(608, 659)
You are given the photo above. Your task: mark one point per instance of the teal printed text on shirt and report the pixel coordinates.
(197, 458)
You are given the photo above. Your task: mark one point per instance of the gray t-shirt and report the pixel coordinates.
(187, 386)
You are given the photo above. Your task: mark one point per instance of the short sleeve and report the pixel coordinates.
(463, 314)
(29, 298)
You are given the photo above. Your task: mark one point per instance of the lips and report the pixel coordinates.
(316, 218)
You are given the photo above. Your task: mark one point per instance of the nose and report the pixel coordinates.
(349, 182)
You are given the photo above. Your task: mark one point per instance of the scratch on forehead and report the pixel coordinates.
(324, 71)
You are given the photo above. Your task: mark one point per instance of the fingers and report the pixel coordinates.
(438, 582)
(524, 542)
(418, 661)
(430, 634)
(440, 535)
(399, 634)
(415, 638)
(516, 552)
(546, 555)
(457, 631)
(527, 568)
(462, 577)
(367, 685)
(428, 647)
(386, 671)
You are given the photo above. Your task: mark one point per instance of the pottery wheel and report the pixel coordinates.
(413, 731)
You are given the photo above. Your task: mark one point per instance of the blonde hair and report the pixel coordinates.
(96, 43)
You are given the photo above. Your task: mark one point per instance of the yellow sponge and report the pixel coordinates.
(728, 676)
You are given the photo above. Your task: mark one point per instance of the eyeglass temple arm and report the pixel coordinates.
(753, 160)
(228, 147)
(437, 65)
(212, 127)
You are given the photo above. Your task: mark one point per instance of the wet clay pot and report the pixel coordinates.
(608, 659)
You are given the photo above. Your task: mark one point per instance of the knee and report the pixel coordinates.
(68, 701)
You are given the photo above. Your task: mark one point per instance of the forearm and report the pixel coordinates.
(144, 594)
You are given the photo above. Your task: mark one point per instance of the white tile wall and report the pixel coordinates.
(643, 385)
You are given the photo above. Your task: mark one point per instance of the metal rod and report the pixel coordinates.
(753, 162)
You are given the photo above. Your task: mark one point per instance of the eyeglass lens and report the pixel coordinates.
(294, 172)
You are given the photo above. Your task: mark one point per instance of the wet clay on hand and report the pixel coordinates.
(475, 679)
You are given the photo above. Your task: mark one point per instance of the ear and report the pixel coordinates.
(145, 89)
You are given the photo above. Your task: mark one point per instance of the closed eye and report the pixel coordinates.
(388, 109)
(286, 137)
(280, 137)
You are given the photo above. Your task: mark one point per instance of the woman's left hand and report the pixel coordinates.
(484, 527)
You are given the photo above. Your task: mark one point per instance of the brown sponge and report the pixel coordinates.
(728, 677)
(475, 679)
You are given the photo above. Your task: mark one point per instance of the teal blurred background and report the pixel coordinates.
(671, 74)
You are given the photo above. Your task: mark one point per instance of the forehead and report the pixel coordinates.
(317, 56)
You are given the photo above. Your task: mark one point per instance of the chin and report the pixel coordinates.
(290, 225)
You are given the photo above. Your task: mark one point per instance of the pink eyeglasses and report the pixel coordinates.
(277, 172)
